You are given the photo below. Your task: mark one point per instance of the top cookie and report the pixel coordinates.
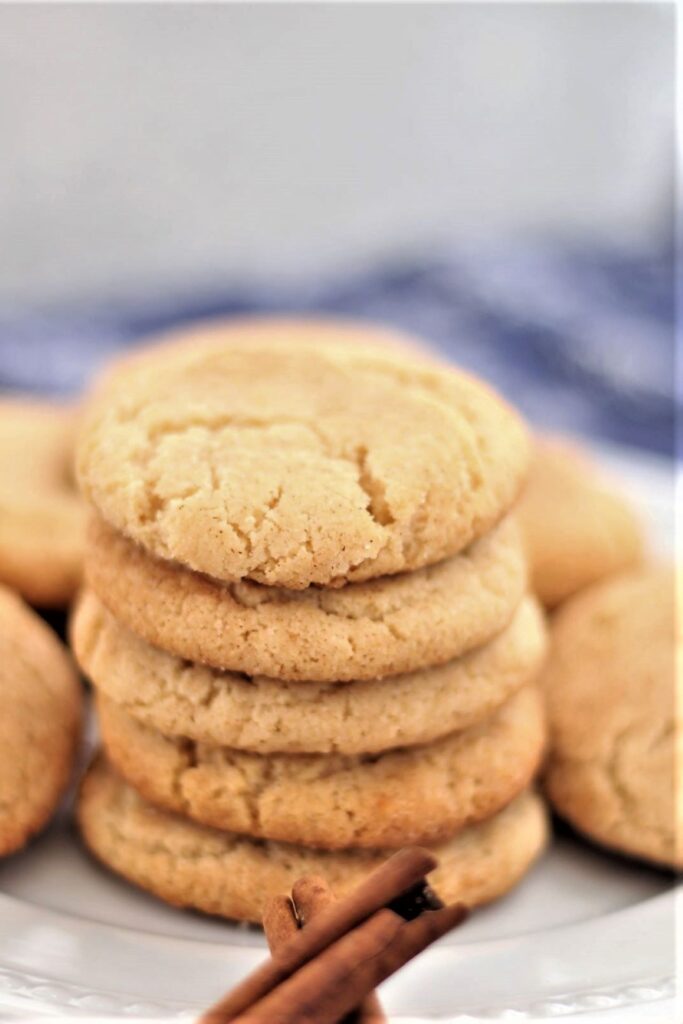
(612, 689)
(294, 466)
(244, 332)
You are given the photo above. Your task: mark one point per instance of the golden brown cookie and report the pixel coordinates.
(413, 795)
(42, 519)
(263, 715)
(244, 331)
(361, 631)
(293, 465)
(613, 696)
(189, 865)
(40, 714)
(577, 529)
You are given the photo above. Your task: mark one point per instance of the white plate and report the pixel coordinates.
(584, 931)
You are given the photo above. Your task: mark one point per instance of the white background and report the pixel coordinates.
(163, 145)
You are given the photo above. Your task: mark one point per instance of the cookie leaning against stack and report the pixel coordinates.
(577, 529)
(613, 682)
(42, 519)
(306, 620)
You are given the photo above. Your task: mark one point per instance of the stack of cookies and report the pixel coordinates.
(307, 622)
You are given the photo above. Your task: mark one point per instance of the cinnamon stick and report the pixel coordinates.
(326, 988)
(394, 877)
(310, 895)
(280, 923)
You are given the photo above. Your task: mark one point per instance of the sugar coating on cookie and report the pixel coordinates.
(42, 518)
(40, 714)
(265, 715)
(576, 528)
(295, 466)
(412, 795)
(189, 865)
(364, 630)
(613, 684)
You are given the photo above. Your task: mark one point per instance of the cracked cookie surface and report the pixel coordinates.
(576, 529)
(189, 865)
(42, 518)
(295, 466)
(613, 690)
(364, 630)
(411, 795)
(264, 715)
(40, 713)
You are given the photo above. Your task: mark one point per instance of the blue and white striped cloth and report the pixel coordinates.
(581, 340)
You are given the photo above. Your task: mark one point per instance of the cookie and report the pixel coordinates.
(361, 631)
(179, 698)
(189, 865)
(244, 331)
(40, 714)
(414, 795)
(613, 697)
(577, 530)
(42, 518)
(295, 465)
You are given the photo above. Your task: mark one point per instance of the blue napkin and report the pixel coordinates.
(582, 340)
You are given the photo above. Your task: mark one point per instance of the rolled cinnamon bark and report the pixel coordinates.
(310, 895)
(391, 879)
(325, 989)
(279, 923)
